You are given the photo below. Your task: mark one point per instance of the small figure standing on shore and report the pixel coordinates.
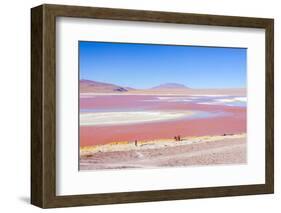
(177, 138)
(136, 142)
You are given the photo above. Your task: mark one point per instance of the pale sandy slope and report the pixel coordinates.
(218, 150)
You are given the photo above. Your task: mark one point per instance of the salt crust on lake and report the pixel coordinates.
(111, 118)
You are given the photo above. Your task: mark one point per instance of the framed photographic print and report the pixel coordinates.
(136, 106)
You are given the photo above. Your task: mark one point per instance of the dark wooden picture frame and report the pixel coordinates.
(43, 105)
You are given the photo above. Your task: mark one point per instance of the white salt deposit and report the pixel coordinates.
(112, 118)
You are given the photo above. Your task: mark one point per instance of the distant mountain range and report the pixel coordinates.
(95, 86)
(87, 86)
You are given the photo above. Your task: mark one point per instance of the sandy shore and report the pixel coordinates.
(190, 151)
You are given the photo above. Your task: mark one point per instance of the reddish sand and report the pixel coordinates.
(233, 122)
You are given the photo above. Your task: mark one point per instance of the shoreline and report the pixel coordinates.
(152, 144)
(174, 92)
(191, 151)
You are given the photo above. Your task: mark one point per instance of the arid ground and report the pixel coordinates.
(189, 152)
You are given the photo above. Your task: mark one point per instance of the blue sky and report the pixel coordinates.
(148, 65)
